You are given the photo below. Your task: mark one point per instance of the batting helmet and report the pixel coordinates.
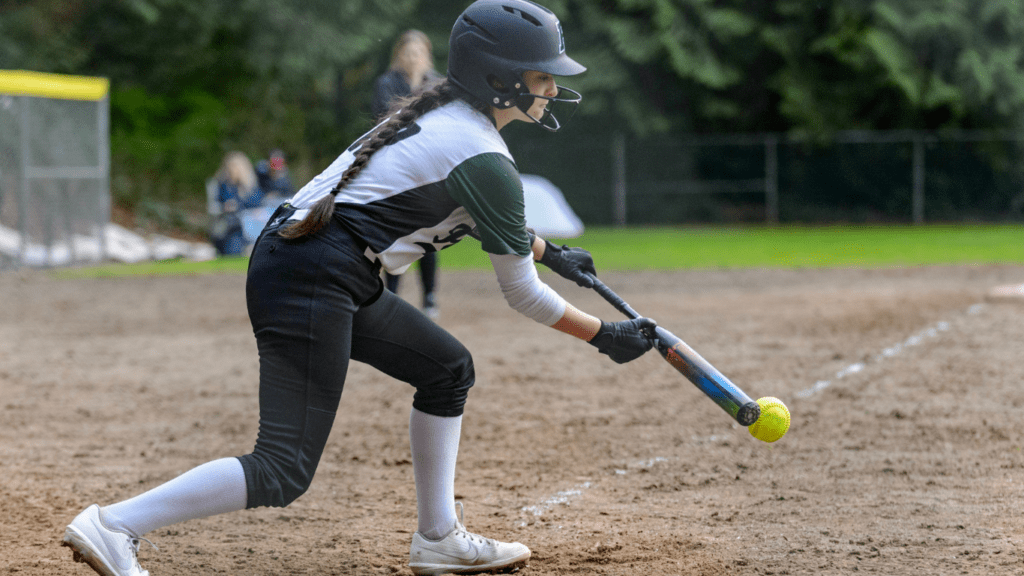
(495, 41)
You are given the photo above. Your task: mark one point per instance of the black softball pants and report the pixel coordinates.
(316, 303)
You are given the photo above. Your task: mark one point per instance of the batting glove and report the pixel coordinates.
(575, 264)
(624, 341)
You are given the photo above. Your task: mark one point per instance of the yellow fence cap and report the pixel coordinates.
(45, 85)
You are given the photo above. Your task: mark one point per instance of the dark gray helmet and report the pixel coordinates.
(495, 41)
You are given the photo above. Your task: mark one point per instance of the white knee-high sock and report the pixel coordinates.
(212, 488)
(435, 447)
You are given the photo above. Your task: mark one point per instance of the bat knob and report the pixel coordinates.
(748, 413)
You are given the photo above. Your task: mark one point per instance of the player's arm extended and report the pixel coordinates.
(527, 294)
(488, 187)
(523, 290)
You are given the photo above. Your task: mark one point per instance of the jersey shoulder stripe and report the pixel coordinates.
(489, 187)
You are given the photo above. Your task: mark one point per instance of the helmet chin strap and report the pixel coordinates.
(548, 120)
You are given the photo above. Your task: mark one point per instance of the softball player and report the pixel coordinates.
(426, 177)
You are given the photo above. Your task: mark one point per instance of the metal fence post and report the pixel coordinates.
(619, 178)
(24, 191)
(106, 196)
(771, 179)
(918, 180)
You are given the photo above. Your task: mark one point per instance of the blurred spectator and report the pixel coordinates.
(410, 72)
(273, 176)
(237, 188)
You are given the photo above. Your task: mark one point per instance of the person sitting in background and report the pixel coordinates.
(237, 189)
(410, 73)
(238, 186)
(273, 176)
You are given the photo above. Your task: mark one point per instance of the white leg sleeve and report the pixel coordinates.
(213, 488)
(435, 447)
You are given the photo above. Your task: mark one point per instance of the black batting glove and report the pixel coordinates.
(575, 264)
(626, 340)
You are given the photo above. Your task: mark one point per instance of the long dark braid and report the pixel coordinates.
(322, 211)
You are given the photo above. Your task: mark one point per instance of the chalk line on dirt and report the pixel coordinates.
(890, 352)
(564, 497)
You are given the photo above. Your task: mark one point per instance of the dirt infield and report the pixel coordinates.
(904, 457)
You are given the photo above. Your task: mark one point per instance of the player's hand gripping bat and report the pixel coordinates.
(690, 364)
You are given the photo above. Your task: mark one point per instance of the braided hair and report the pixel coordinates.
(408, 112)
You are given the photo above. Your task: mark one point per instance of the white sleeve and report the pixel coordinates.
(524, 291)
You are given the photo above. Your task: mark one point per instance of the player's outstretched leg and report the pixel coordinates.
(462, 552)
(108, 539)
(109, 552)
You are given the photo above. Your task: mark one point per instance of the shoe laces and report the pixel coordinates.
(136, 542)
(133, 540)
(476, 538)
(460, 526)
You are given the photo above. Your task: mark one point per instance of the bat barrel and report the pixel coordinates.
(713, 383)
(684, 359)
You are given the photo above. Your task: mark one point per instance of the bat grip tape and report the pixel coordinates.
(614, 299)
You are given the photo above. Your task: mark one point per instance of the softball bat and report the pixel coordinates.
(692, 365)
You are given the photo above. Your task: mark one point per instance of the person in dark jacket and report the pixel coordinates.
(411, 71)
(274, 177)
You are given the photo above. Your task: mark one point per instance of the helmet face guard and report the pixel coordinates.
(495, 41)
(567, 99)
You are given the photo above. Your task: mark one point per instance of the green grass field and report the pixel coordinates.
(716, 247)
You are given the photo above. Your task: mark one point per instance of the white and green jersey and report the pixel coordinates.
(438, 179)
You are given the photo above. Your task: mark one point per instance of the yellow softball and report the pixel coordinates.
(773, 422)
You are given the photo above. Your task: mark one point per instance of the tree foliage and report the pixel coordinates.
(192, 80)
(897, 63)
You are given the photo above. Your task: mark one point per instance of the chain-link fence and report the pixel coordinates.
(852, 177)
(54, 168)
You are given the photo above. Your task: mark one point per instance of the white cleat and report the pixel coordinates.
(108, 552)
(462, 552)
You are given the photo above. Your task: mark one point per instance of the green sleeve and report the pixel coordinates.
(489, 188)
